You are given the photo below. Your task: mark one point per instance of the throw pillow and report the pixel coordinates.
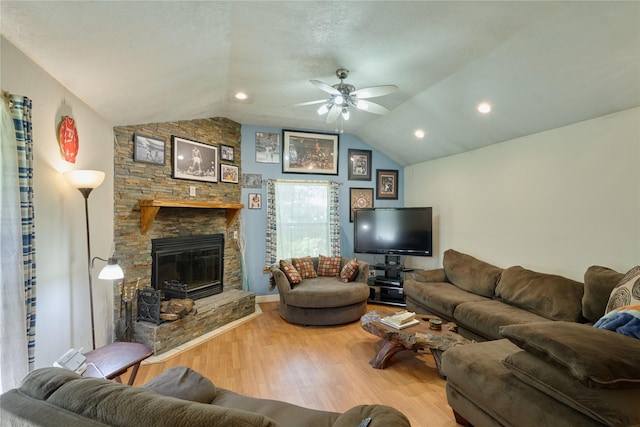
(291, 272)
(596, 357)
(598, 284)
(183, 383)
(305, 267)
(627, 292)
(350, 271)
(329, 266)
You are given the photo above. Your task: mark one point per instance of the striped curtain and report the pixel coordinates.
(334, 220)
(17, 337)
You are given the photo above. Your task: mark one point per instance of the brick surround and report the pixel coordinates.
(134, 181)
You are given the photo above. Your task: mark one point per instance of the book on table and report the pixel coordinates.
(400, 320)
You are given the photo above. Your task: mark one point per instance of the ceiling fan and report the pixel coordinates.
(343, 96)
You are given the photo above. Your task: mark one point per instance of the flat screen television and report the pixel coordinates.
(393, 231)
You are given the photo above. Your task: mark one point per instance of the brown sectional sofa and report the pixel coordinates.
(540, 361)
(178, 397)
(323, 301)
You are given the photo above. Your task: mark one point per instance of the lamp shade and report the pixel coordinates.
(84, 178)
(111, 271)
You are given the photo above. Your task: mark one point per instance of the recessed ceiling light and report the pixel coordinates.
(484, 107)
(419, 133)
(241, 95)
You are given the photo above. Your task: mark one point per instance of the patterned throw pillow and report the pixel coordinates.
(329, 266)
(627, 292)
(350, 271)
(291, 272)
(305, 267)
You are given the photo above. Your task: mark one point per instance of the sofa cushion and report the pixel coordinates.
(183, 383)
(627, 292)
(290, 271)
(614, 407)
(470, 274)
(548, 295)
(598, 284)
(485, 317)
(596, 357)
(329, 266)
(350, 271)
(305, 267)
(325, 292)
(438, 297)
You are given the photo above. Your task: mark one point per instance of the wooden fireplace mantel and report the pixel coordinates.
(149, 209)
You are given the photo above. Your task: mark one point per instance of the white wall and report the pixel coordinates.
(558, 201)
(62, 313)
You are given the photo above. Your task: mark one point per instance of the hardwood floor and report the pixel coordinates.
(317, 367)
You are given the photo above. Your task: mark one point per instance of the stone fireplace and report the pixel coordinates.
(175, 214)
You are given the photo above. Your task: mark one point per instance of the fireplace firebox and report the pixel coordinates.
(188, 266)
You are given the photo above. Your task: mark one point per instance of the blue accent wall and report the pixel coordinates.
(254, 221)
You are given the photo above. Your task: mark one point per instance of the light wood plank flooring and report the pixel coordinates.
(317, 367)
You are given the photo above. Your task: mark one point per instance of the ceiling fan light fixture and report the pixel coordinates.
(339, 100)
(345, 113)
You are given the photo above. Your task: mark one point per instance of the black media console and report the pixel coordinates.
(387, 288)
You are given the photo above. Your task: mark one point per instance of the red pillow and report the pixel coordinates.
(305, 267)
(329, 266)
(350, 271)
(291, 272)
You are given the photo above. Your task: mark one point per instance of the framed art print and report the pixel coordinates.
(305, 152)
(226, 153)
(194, 160)
(228, 173)
(386, 184)
(359, 198)
(360, 165)
(255, 201)
(148, 150)
(267, 147)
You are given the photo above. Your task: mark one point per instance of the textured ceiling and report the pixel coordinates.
(540, 64)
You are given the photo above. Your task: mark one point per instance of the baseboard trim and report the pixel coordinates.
(267, 298)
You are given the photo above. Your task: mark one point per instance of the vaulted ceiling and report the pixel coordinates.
(540, 65)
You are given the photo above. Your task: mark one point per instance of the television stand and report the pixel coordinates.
(387, 288)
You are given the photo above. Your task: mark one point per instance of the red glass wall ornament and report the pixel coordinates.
(68, 139)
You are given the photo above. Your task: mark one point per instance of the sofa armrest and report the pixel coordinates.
(431, 276)
(381, 416)
(279, 279)
(363, 271)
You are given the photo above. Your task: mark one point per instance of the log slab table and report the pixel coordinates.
(418, 337)
(115, 359)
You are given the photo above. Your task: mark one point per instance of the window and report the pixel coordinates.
(302, 218)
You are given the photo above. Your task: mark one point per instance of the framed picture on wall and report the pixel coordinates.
(360, 165)
(386, 184)
(305, 152)
(228, 173)
(255, 201)
(148, 150)
(226, 153)
(194, 160)
(267, 147)
(359, 198)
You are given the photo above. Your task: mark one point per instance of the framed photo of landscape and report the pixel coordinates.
(359, 198)
(313, 153)
(360, 165)
(148, 150)
(386, 184)
(194, 160)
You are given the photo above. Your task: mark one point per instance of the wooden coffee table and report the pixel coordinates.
(115, 359)
(418, 337)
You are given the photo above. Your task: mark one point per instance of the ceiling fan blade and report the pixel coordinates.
(319, 101)
(333, 113)
(374, 91)
(325, 87)
(371, 107)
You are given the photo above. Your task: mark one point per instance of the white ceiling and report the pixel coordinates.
(540, 64)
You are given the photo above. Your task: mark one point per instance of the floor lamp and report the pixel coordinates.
(85, 181)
